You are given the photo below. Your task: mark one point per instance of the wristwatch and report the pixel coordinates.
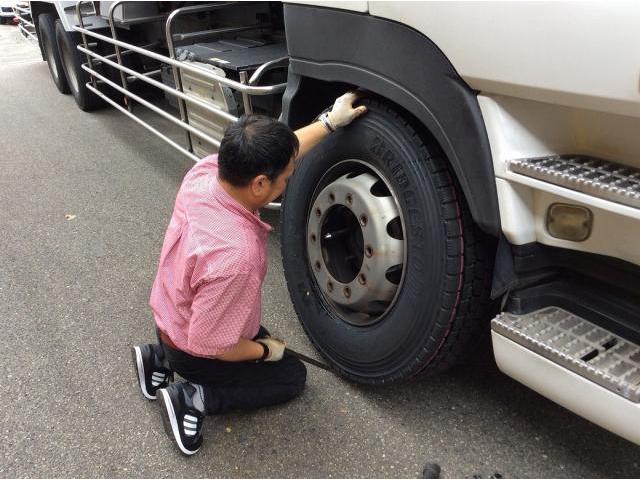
(324, 119)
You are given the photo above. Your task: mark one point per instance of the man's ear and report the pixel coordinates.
(259, 185)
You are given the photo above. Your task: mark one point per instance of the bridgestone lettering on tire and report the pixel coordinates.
(51, 52)
(442, 275)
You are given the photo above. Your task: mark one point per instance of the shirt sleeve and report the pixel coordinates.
(221, 310)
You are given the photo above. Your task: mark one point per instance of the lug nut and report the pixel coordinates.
(313, 238)
(318, 212)
(349, 199)
(347, 292)
(330, 286)
(368, 251)
(363, 220)
(362, 279)
(332, 197)
(318, 265)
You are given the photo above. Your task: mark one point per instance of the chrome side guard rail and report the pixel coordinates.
(247, 87)
(23, 23)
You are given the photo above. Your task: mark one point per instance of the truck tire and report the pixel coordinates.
(51, 52)
(72, 60)
(387, 271)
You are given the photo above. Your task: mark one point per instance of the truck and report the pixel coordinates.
(6, 12)
(491, 191)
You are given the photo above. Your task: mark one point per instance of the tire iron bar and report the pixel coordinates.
(309, 360)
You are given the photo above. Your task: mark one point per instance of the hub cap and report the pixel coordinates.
(355, 243)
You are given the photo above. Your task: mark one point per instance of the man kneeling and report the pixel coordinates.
(206, 298)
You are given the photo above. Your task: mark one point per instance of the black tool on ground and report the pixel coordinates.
(431, 470)
(309, 360)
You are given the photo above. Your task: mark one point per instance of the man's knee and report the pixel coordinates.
(262, 333)
(296, 374)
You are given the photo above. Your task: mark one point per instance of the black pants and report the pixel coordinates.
(240, 385)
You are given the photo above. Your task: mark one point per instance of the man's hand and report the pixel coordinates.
(276, 348)
(343, 112)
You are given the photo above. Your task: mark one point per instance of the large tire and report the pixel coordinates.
(51, 52)
(441, 297)
(71, 63)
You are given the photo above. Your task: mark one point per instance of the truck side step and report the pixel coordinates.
(593, 176)
(578, 345)
(574, 363)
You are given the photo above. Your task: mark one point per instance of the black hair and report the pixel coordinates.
(255, 145)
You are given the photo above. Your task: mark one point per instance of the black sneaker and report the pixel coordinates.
(153, 372)
(182, 419)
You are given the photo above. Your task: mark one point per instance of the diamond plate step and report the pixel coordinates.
(577, 344)
(593, 176)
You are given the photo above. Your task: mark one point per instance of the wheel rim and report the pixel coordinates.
(50, 57)
(70, 68)
(355, 242)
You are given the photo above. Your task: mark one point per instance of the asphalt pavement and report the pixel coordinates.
(14, 48)
(84, 202)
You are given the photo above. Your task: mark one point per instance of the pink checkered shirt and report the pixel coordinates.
(207, 293)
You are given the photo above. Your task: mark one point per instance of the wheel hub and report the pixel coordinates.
(355, 246)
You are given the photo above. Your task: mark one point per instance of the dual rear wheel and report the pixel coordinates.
(65, 61)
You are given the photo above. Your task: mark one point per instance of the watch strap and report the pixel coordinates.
(324, 119)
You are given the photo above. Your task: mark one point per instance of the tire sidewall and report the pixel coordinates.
(68, 41)
(412, 328)
(47, 30)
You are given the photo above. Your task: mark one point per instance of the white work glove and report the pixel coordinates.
(342, 113)
(275, 346)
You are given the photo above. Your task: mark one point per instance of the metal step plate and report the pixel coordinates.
(577, 344)
(594, 176)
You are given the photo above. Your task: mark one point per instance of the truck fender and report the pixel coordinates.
(404, 66)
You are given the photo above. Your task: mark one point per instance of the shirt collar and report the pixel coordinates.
(231, 204)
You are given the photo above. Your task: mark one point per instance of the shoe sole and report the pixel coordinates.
(170, 422)
(139, 366)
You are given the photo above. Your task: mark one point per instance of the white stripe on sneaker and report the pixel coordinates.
(140, 370)
(191, 418)
(189, 424)
(171, 414)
